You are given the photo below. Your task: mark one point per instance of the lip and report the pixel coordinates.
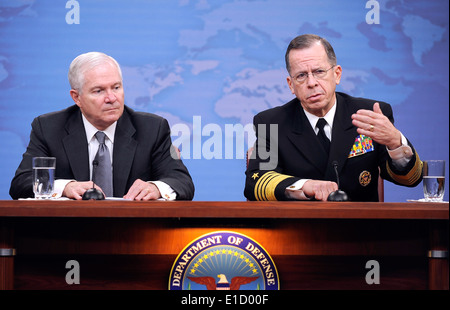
(315, 96)
(111, 110)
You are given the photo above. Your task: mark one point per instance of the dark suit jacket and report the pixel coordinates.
(142, 147)
(300, 155)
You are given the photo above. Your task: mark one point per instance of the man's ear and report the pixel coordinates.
(338, 74)
(75, 96)
(289, 81)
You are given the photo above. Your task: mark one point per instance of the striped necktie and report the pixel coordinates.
(103, 172)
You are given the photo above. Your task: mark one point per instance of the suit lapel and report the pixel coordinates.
(124, 150)
(305, 140)
(76, 148)
(343, 137)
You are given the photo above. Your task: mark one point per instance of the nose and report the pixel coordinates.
(311, 81)
(110, 97)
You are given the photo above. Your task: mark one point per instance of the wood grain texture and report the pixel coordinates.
(229, 209)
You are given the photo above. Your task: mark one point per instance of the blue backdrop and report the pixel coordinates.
(207, 65)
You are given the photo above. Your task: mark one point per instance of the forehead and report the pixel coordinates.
(102, 74)
(308, 57)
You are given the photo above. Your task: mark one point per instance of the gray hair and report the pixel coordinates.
(85, 62)
(306, 41)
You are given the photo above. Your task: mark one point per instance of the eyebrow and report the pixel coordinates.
(312, 70)
(103, 86)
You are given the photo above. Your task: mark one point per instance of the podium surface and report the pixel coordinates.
(133, 245)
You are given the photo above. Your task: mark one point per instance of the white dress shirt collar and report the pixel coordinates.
(329, 117)
(91, 130)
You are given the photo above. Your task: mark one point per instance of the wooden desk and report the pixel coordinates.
(132, 245)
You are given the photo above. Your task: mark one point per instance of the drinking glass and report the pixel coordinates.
(43, 176)
(434, 180)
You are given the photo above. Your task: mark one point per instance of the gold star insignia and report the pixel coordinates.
(255, 175)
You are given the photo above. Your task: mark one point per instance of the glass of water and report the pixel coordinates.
(43, 176)
(434, 180)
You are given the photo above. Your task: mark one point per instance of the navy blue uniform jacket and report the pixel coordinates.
(300, 155)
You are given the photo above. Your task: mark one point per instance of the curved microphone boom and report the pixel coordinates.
(93, 193)
(337, 195)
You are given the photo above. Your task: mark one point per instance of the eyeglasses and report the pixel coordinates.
(317, 74)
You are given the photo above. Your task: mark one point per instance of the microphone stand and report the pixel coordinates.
(337, 195)
(93, 193)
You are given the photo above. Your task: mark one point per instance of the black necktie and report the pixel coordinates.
(103, 172)
(321, 135)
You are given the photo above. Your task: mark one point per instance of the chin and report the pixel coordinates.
(113, 114)
(109, 120)
(315, 106)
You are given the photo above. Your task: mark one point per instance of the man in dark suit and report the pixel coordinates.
(299, 144)
(143, 161)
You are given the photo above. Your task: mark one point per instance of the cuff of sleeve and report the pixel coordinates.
(294, 191)
(167, 193)
(59, 187)
(401, 155)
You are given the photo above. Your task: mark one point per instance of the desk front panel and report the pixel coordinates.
(138, 253)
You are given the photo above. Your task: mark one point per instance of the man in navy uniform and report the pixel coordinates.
(321, 129)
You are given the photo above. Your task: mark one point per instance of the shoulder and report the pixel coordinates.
(61, 114)
(58, 119)
(144, 119)
(142, 115)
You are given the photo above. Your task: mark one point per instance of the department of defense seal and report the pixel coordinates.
(224, 260)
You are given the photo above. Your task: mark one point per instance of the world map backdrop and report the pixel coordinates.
(208, 66)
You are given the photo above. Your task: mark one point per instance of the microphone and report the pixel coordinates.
(93, 193)
(337, 195)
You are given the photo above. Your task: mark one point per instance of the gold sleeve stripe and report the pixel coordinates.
(261, 185)
(411, 177)
(266, 185)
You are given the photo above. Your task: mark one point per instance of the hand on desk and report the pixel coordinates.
(75, 190)
(140, 190)
(316, 189)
